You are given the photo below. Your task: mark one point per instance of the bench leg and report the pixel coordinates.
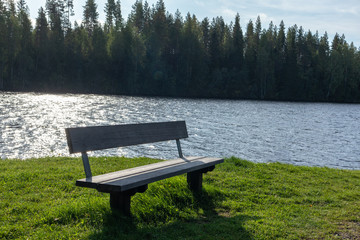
(194, 180)
(120, 201)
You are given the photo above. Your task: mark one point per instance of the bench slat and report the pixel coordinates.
(135, 170)
(131, 178)
(85, 139)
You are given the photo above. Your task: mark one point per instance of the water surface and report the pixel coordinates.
(313, 134)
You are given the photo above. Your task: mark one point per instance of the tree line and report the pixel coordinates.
(157, 53)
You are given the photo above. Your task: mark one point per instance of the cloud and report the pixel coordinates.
(353, 10)
(311, 6)
(226, 12)
(200, 3)
(265, 18)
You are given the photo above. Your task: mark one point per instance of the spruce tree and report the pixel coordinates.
(118, 15)
(12, 44)
(250, 61)
(41, 44)
(69, 11)
(55, 11)
(24, 57)
(137, 16)
(3, 36)
(109, 11)
(90, 16)
(238, 45)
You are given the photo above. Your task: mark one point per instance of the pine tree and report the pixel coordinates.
(69, 11)
(3, 35)
(270, 87)
(280, 60)
(257, 31)
(238, 45)
(235, 80)
(291, 76)
(265, 63)
(109, 10)
(12, 44)
(261, 59)
(172, 56)
(322, 71)
(98, 61)
(24, 57)
(190, 81)
(343, 77)
(205, 29)
(90, 16)
(159, 22)
(137, 17)
(217, 56)
(118, 15)
(41, 29)
(55, 11)
(147, 19)
(41, 44)
(158, 41)
(217, 31)
(113, 15)
(250, 61)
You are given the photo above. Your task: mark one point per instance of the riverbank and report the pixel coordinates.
(241, 200)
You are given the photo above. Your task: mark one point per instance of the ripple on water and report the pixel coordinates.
(318, 134)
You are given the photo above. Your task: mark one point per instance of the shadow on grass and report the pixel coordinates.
(210, 224)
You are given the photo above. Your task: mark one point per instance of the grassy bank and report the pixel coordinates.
(241, 200)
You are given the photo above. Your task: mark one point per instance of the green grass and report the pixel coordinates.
(240, 200)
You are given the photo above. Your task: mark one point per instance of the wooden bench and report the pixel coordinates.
(125, 183)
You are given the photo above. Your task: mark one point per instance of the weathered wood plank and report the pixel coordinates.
(123, 180)
(137, 170)
(141, 169)
(85, 139)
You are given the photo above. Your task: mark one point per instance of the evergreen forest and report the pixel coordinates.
(157, 53)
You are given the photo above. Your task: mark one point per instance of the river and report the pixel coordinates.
(311, 134)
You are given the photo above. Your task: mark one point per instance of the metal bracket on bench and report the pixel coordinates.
(179, 148)
(86, 163)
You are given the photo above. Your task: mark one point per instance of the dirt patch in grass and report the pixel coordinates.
(349, 230)
(224, 214)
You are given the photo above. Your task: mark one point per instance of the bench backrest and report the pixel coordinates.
(83, 139)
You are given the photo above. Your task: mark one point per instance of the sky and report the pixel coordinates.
(333, 16)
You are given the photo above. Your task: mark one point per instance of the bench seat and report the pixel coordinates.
(127, 179)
